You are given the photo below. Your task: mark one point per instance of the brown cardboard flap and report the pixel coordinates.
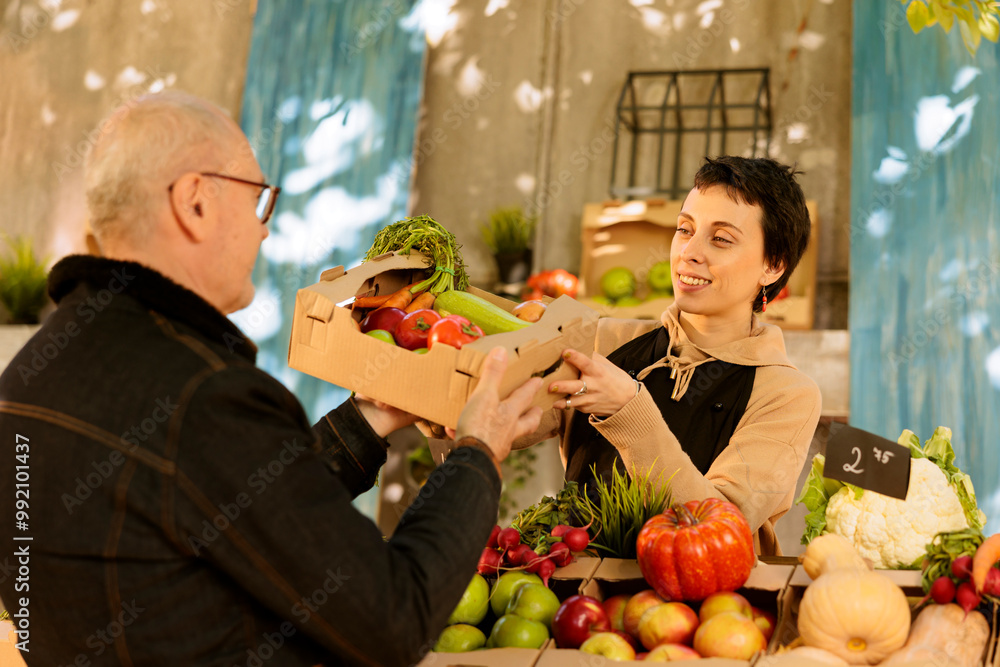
(332, 274)
(582, 567)
(658, 212)
(316, 307)
(349, 282)
(565, 657)
(494, 657)
(618, 569)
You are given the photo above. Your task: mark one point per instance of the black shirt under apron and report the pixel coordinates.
(703, 420)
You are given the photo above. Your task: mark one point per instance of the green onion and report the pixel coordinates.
(624, 507)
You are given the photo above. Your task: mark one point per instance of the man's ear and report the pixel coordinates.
(188, 201)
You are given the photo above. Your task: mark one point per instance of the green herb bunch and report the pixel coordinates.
(623, 508)
(425, 235)
(509, 231)
(23, 282)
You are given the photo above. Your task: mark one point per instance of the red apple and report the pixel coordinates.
(576, 619)
(672, 653)
(716, 603)
(668, 623)
(632, 641)
(766, 621)
(383, 318)
(614, 607)
(729, 635)
(610, 645)
(636, 607)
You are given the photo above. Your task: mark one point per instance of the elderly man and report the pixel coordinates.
(180, 508)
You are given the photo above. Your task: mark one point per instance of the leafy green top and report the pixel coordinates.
(425, 235)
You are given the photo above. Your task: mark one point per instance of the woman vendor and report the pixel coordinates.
(706, 396)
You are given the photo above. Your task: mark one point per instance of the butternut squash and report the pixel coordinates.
(857, 614)
(944, 636)
(829, 552)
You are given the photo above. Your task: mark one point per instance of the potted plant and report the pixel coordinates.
(23, 283)
(509, 234)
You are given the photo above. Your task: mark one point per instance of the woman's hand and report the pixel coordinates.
(383, 418)
(609, 388)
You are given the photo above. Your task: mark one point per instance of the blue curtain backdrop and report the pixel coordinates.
(330, 107)
(925, 251)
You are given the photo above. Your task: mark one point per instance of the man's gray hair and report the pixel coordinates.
(142, 147)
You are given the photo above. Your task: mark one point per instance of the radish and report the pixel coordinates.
(961, 567)
(545, 570)
(522, 555)
(532, 561)
(992, 586)
(966, 596)
(560, 530)
(508, 538)
(494, 534)
(576, 539)
(943, 590)
(562, 556)
(489, 562)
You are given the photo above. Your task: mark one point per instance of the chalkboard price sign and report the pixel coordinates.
(867, 460)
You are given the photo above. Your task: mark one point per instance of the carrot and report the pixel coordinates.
(422, 300)
(369, 301)
(400, 298)
(986, 556)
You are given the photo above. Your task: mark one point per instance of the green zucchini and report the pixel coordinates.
(491, 319)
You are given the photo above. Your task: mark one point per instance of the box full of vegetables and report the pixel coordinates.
(406, 328)
(840, 611)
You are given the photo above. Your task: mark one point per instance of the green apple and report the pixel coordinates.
(612, 646)
(382, 335)
(628, 302)
(618, 283)
(506, 585)
(660, 277)
(460, 638)
(534, 602)
(660, 295)
(512, 630)
(472, 607)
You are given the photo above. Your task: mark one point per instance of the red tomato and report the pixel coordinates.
(696, 549)
(453, 330)
(412, 330)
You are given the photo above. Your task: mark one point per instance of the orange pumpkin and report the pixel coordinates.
(695, 549)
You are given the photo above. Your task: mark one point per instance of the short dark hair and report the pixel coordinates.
(772, 186)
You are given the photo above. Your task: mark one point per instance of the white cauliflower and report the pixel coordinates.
(894, 533)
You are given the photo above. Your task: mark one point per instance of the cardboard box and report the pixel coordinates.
(493, 657)
(325, 343)
(637, 235)
(617, 576)
(908, 580)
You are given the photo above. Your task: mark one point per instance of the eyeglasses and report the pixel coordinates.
(266, 200)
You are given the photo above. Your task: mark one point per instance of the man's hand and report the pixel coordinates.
(498, 423)
(383, 418)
